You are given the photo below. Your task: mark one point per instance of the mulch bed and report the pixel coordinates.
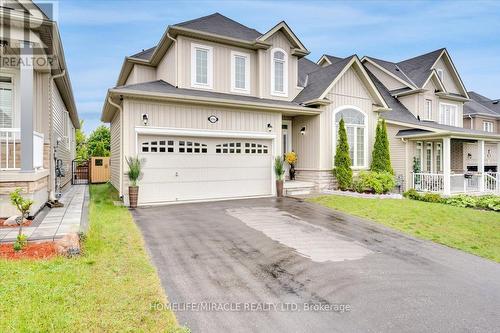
(26, 223)
(31, 251)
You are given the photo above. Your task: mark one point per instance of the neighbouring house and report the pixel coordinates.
(214, 101)
(37, 108)
(481, 113)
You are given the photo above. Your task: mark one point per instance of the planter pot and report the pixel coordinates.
(292, 172)
(279, 188)
(133, 194)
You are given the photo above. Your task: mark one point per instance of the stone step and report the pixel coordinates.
(297, 188)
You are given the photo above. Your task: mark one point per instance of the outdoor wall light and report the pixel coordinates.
(303, 130)
(269, 127)
(469, 156)
(145, 119)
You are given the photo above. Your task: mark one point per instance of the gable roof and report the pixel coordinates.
(419, 68)
(294, 40)
(144, 54)
(392, 69)
(221, 25)
(328, 59)
(320, 81)
(481, 105)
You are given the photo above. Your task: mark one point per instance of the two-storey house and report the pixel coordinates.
(211, 104)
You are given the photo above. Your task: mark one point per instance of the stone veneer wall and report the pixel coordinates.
(323, 179)
(35, 190)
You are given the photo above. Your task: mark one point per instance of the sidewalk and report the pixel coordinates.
(59, 221)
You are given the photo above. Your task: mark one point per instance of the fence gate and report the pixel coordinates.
(80, 172)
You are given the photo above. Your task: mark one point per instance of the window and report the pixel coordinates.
(428, 109)
(355, 123)
(439, 158)
(487, 126)
(448, 114)
(98, 162)
(279, 72)
(192, 147)
(440, 73)
(158, 146)
(240, 72)
(241, 148)
(428, 157)
(6, 102)
(201, 66)
(419, 155)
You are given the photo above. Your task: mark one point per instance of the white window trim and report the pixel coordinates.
(440, 73)
(488, 126)
(427, 111)
(283, 93)
(15, 106)
(420, 146)
(365, 126)
(210, 66)
(235, 54)
(440, 151)
(429, 147)
(441, 111)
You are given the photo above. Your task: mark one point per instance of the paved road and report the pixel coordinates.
(287, 253)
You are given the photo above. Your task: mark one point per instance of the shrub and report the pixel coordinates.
(432, 197)
(412, 194)
(342, 166)
(462, 200)
(381, 157)
(487, 202)
(378, 182)
(490, 202)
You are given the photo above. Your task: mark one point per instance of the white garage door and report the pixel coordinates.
(183, 169)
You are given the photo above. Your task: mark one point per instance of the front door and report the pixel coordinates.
(286, 141)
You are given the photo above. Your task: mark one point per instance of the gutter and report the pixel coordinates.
(52, 163)
(120, 109)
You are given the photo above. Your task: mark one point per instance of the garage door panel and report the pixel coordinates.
(181, 169)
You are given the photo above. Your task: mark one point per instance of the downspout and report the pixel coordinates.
(52, 162)
(120, 109)
(176, 59)
(471, 122)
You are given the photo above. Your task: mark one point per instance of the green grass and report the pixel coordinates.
(470, 230)
(109, 288)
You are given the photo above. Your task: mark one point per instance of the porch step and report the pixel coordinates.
(297, 188)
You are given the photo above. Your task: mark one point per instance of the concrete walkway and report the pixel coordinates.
(58, 221)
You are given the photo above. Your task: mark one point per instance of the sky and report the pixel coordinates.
(97, 35)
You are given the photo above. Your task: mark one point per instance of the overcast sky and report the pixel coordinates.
(97, 35)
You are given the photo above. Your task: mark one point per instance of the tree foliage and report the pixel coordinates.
(342, 165)
(381, 157)
(23, 205)
(99, 142)
(82, 152)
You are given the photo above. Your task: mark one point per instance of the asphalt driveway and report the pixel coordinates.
(268, 265)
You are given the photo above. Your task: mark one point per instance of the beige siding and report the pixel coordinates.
(221, 65)
(65, 150)
(166, 68)
(115, 128)
(399, 160)
(450, 81)
(41, 103)
(388, 81)
(177, 115)
(307, 146)
(141, 74)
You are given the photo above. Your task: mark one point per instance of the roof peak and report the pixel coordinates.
(422, 55)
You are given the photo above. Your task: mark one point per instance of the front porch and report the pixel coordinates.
(455, 165)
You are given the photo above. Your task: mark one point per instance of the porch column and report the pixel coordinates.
(26, 93)
(480, 164)
(498, 169)
(446, 166)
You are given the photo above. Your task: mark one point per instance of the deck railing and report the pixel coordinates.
(10, 149)
(492, 182)
(428, 182)
(459, 183)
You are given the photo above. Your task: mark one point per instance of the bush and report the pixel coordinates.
(462, 200)
(342, 164)
(490, 202)
(378, 182)
(381, 157)
(432, 197)
(486, 202)
(412, 194)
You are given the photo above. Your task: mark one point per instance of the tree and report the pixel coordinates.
(82, 152)
(99, 142)
(23, 205)
(381, 158)
(342, 166)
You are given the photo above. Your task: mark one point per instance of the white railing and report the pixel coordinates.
(464, 183)
(492, 182)
(37, 150)
(10, 149)
(10, 143)
(428, 182)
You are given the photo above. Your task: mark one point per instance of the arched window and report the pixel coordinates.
(355, 123)
(279, 72)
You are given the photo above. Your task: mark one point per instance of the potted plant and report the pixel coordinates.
(134, 172)
(23, 205)
(279, 171)
(291, 159)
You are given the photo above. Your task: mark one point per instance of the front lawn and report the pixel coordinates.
(109, 288)
(467, 229)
